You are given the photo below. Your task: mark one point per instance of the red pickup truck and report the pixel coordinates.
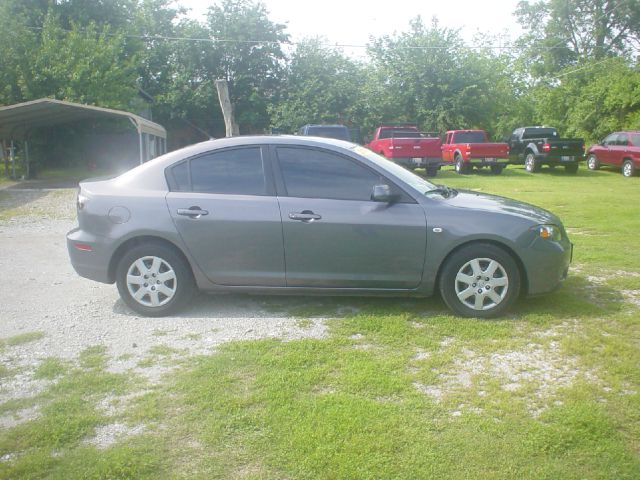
(466, 149)
(406, 145)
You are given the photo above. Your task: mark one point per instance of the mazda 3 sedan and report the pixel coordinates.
(306, 215)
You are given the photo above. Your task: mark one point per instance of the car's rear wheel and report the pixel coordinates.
(432, 171)
(154, 280)
(593, 163)
(531, 165)
(572, 168)
(497, 169)
(480, 280)
(628, 168)
(461, 167)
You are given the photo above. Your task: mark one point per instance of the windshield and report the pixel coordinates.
(403, 174)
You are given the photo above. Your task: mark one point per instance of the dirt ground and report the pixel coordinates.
(41, 292)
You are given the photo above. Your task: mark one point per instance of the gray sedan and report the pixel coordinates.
(308, 216)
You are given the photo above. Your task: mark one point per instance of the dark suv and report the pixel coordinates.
(339, 132)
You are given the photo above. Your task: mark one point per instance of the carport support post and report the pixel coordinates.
(12, 157)
(141, 147)
(26, 158)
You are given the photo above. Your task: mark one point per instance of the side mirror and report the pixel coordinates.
(382, 193)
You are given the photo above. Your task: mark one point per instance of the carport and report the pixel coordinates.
(18, 121)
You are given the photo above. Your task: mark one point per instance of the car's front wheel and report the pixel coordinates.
(480, 280)
(592, 162)
(154, 280)
(628, 168)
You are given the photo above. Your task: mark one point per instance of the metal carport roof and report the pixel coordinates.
(16, 121)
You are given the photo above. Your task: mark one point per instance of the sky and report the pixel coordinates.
(353, 22)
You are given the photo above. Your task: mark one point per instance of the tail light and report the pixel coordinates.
(80, 201)
(546, 147)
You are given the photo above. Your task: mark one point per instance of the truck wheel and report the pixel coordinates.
(592, 162)
(532, 165)
(572, 168)
(461, 167)
(480, 280)
(628, 168)
(497, 169)
(432, 171)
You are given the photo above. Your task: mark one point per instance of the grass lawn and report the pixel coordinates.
(400, 388)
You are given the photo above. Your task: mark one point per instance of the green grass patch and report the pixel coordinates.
(50, 368)
(21, 339)
(400, 388)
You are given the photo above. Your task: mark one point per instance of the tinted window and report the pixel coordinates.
(622, 139)
(180, 180)
(635, 139)
(469, 137)
(611, 139)
(539, 133)
(321, 174)
(341, 133)
(237, 171)
(399, 133)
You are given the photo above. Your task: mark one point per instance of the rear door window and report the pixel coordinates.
(238, 171)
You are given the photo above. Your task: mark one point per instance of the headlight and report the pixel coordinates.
(550, 232)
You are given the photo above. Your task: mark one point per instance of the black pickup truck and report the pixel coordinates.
(537, 146)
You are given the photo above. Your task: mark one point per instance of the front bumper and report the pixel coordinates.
(90, 255)
(547, 264)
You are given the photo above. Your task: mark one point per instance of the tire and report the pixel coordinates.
(531, 164)
(497, 169)
(572, 168)
(460, 286)
(432, 171)
(461, 167)
(628, 168)
(592, 162)
(146, 263)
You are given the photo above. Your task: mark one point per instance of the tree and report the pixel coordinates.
(565, 32)
(321, 86)
(428, 76)
(251, 58)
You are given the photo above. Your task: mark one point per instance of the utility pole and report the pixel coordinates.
(230, 124)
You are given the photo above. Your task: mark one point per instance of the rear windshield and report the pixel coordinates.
(341, 133)
(635, 139)
(539, 133)
(469, 137)
(399, 133)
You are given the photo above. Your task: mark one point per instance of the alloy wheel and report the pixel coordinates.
(151, 281)
(481, 284)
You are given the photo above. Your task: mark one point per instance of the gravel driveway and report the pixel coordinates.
(41, 293)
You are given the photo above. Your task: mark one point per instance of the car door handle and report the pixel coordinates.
(305, 216)
(193, 212)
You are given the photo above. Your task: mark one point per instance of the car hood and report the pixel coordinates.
(484, 202)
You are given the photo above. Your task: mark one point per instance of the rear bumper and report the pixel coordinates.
(488, 161)
(559, 159)
(89, 255)
(418, 161)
